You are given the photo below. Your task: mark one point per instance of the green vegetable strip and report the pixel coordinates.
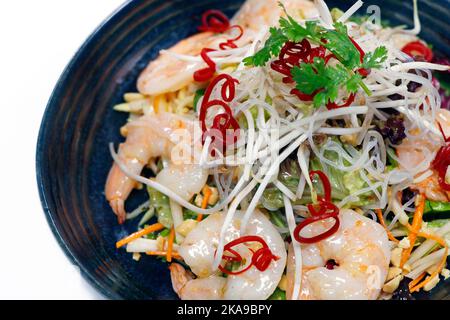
(438, 207)
(162, 206)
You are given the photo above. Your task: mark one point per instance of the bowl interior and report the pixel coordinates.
(73, 158)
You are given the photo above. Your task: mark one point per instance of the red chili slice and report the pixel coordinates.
(418, 49)
(292, 54)
(362, 54)
(223, 121)
(234, 273)
(319, 237)
(347, 102)
(323, 210)
(214, 21)
(261, 258)
(303, 96)
(207, 73)
(442, 161)
(231, 42)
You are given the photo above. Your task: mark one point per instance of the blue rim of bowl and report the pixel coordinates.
(97, 33)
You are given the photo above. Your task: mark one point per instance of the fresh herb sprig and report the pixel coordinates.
(336, 41)
(317, 76)
(373, 60)
(311, 77)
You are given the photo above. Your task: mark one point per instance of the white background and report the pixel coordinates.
(37, 40)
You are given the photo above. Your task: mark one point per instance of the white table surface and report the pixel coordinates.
(38, 38)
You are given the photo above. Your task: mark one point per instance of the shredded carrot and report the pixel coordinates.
(416, 281)
(139, 234)
(170, 245)
(416, 286)
(206, 195)
(416, 225)
(175, 255)
(389, 233)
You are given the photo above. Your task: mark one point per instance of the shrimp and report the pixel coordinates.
(168, 74)
(148, 137)
(198, 251)
(188, 288)
(255, 14)
(361, 251)
(410, 157)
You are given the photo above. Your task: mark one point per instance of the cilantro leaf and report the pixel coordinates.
(353, 83)
(295, 32)
(326, 79)
(325, 82)
(339, 43)
(375, 59)
(271, 48)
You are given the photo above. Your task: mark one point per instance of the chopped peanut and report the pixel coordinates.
(404, 243)
(136, 256)
(396, 256)
(393, 284)
(350, 139)
(393, 272)
(198, 200)
(186, 227)
(214, 197)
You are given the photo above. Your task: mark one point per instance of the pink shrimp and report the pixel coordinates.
(149, 137)
(411, 156)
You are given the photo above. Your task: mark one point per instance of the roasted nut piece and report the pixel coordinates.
(186, 227)
(396, 256)
(392, 285)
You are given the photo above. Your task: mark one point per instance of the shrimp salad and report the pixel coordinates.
(291, 152)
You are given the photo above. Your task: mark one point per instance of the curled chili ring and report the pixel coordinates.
(442, 161)
(323, 210)
(417, 48)
(230, 43)
(207, 73)
(347, 102)
(214, 21)
(261, 258)
(222, 121)
(319, 237)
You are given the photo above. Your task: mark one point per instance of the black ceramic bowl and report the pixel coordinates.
(72, 154)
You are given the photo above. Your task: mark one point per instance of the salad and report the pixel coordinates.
(292, 152)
